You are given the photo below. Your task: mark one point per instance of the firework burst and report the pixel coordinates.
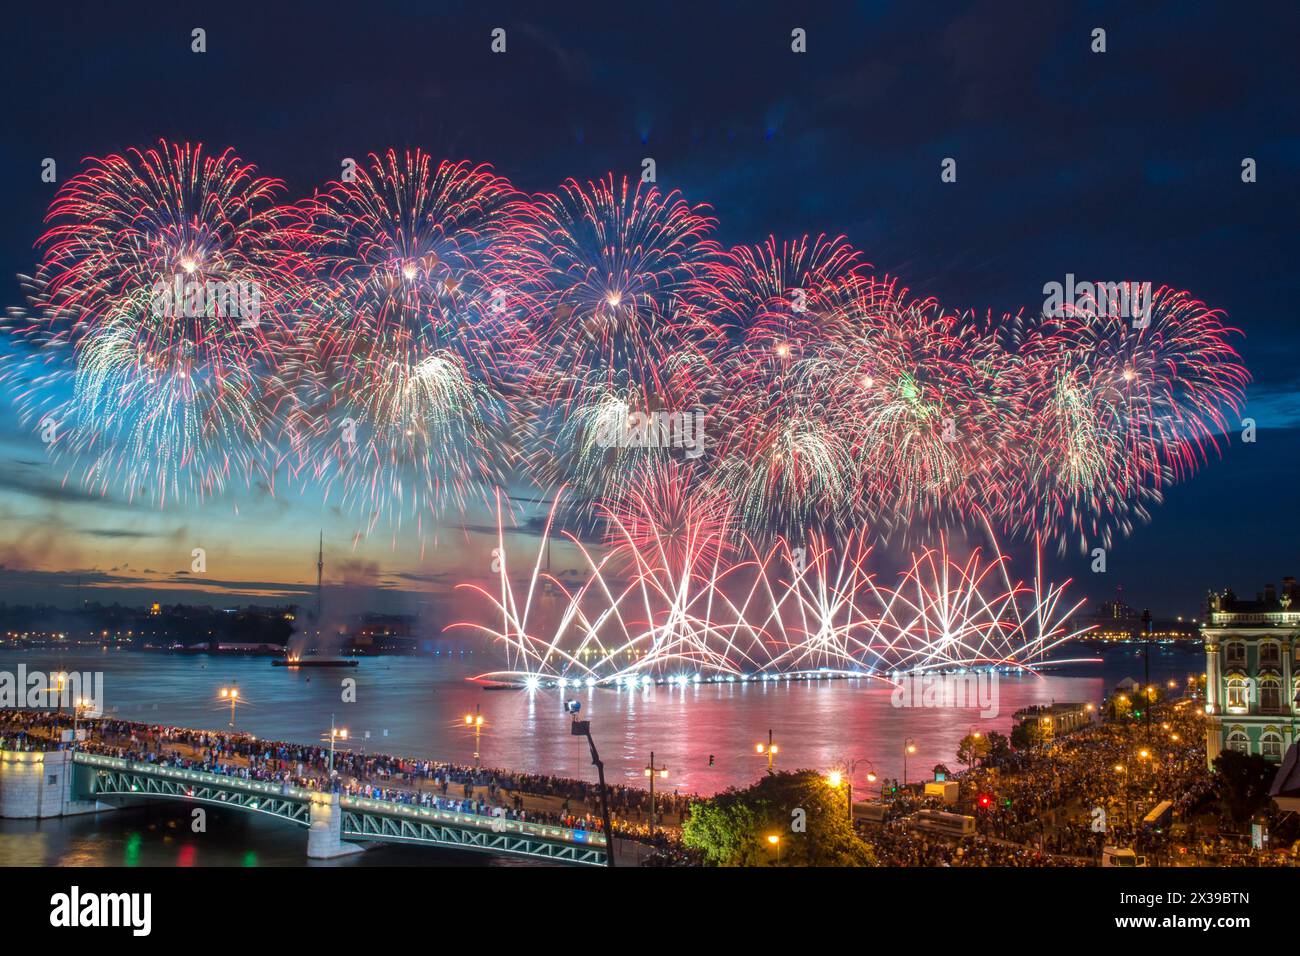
(752, 612)
(158, 313)
(407, 406)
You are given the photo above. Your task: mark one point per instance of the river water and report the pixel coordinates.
(416, 706)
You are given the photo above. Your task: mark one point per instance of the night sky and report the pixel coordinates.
(1120, 165)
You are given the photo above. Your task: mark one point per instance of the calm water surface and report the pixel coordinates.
(416, 706)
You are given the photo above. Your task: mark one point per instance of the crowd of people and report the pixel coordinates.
(897, 843)
(1060, 802)
(409, 781)
(1054, 804)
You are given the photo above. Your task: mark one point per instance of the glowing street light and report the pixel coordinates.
(78, 705)
(336, 733)
(835, 779)
(60, 680)
(475, 720)
(974, 735)
(231, 694)
(775, 840)
(1128, 805)
(909, 747)
(770, 749)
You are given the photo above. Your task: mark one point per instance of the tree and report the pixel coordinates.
(726, 830)
(1245, 782)
(1020, 737)
(999, 748)
(973, 749)
(1118, 707)
(810, 817)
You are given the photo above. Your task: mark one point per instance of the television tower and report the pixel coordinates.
(320, 567)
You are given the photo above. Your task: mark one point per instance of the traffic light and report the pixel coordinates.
(986, 801)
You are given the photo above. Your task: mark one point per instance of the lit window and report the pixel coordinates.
(1236, 692)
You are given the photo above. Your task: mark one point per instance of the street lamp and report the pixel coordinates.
(973, 734)
(769, 749)
(81, 703)
(1128, 808)
(475, 720)
(775, 840)
(336, 733)
(231, 694)
(61, 678)
(909, 747)
(835, 779)
(652, 771)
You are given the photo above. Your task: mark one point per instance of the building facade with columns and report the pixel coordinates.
(1252, 672)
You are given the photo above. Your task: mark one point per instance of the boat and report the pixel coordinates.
(314, 662)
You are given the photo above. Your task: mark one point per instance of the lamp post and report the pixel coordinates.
(1128, 812)
(973, 734)
(475, 720)
(845, 776)
(231, 694)
(774, 839)
(1148, 766)
(652, 771)
(769, 749)
(836, 779)
(336, 733)
(77, 706)
(60, 679)
(909, 747)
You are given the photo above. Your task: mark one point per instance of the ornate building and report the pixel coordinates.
(1252, 672)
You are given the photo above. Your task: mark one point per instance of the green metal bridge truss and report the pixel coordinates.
(371, 825)
(363, 819)
(135, 783)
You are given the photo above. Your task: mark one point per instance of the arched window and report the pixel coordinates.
(1237, 692)
(1270, 745)
(1238, 741)
(1270, 694)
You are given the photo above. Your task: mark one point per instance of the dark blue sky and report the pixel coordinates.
(1122, 165)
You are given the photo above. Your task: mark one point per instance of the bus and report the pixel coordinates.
(1159, 817)
(870, 812)
(942, 823)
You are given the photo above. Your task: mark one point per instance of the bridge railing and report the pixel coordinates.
(194, 776)
(420, 814)
(413, 812)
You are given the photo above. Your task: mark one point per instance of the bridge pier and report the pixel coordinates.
(325, 834)
(38, 784)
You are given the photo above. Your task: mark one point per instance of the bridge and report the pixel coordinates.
(336, 824)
